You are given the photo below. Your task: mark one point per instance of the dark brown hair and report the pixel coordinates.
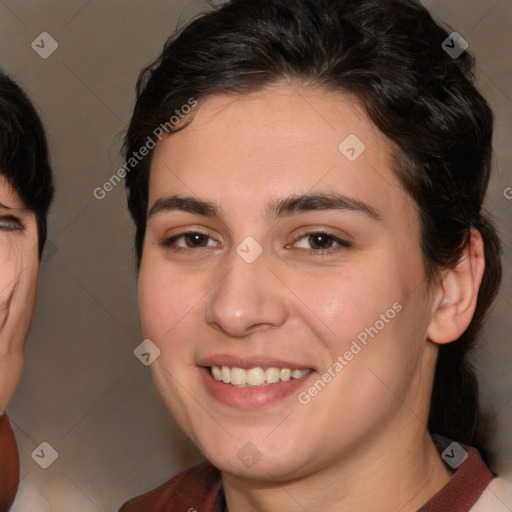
(24, 160)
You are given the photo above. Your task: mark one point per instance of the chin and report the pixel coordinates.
(255, 460)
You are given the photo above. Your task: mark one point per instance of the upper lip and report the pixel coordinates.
(247, 362)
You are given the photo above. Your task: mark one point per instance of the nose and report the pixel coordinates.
(247, 298)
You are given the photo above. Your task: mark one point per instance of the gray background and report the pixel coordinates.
(82, 390)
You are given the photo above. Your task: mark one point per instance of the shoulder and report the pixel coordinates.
(496, 497)
(196, 488)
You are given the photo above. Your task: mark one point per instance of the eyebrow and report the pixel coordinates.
(5, 207)
(184, 204)
(310, 202)
(14, 208)
(281, 208)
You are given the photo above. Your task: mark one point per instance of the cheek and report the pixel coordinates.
(19, 267)
(8, 270)
(18, 262)
(167, 299)
(369, 316)
(339, 305)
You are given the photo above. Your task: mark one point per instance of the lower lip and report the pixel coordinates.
(251, 397)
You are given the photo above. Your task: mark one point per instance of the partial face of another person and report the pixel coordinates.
(271, 248)
(19, 267)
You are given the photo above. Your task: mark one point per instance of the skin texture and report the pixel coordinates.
(19, 266)
(362, 441)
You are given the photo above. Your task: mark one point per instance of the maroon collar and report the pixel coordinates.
(200, 488)
(466, 485)
(9, 465)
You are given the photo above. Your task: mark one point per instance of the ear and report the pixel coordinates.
(455, 300)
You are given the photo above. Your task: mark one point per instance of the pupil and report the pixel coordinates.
(319, 241)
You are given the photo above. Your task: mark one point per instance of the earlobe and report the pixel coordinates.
(455, 304)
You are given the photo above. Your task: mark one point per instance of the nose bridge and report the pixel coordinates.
(248, 295)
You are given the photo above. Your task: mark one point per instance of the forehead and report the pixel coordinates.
(245, 149)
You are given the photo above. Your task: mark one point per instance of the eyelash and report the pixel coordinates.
(168, 243)
(18, 226)
(342, 244)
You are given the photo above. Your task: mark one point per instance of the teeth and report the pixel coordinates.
(285, 374)
(238, 377)
(217, 373)
(226, 375)
(272, 375)
(255, 376)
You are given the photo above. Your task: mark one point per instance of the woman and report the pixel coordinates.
(314, 260)
(26, 191)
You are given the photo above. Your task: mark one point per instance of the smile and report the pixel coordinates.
(255, 377)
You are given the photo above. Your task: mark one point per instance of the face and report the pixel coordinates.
(274, 247)
(19, 266)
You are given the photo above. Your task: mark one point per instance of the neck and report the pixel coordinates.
(399, 474)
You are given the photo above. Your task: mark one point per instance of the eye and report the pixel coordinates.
(321, 242)
(10, 223)
(189, 240)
